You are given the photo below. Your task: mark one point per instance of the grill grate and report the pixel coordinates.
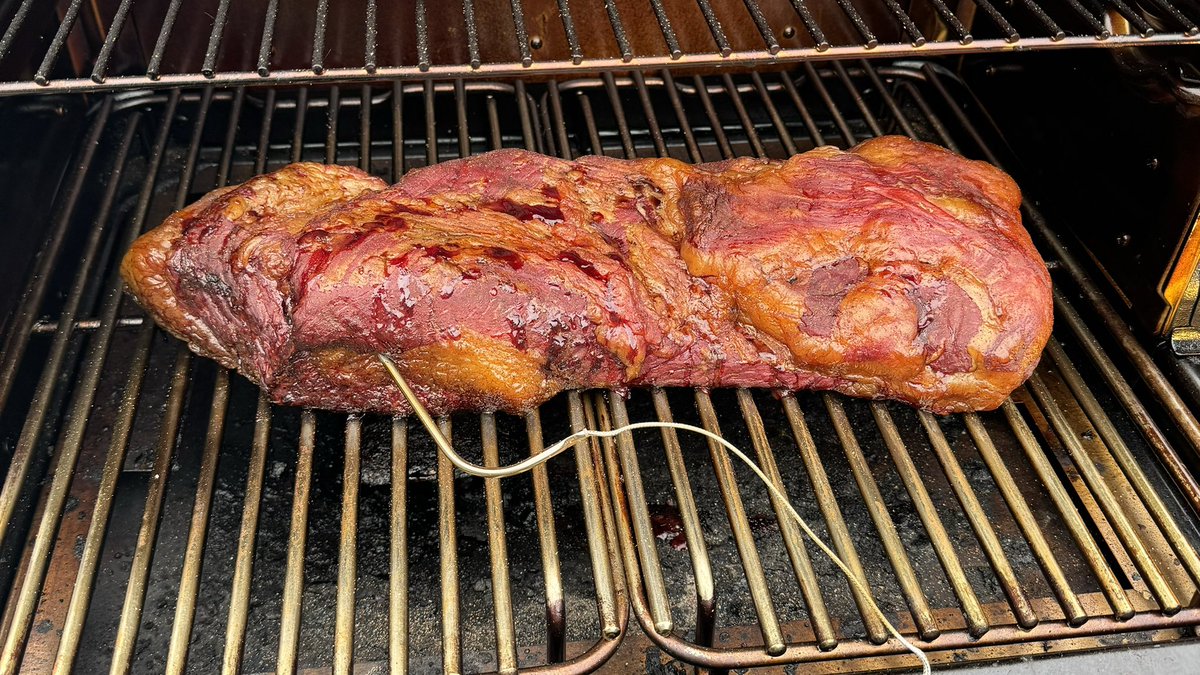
(237, 43)
(185, 522)
(200, 527)
(942, 509)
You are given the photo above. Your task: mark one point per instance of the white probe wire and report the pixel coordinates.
(561, 446)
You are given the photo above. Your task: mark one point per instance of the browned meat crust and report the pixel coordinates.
(895, 270)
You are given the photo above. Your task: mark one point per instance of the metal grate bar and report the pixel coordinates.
(952, 21)
(869, 39)
(448, 538)
(618, 28)
(69, 445)
(398, 549)
(857, 97)
(268, 38)
(520, 33)
(647, 551)
(764, 28)
(842, 125)
(977, 623)
(343, 636)
(1052, 27)
(468, 7)
(293, 588)
(785, 136)
(331, 126)
(139, 572)
(810, 25)
(423, 62)
(1189, 28)
(369, 63)
(364, 130)
(697, 550)
(320, 27)
(564, 12)
(556, 610)
(1026, 618)
(714, 27)
(810, 123)
(110, 40)
(1025, 520)
(888, 100)
(154, 69)
(743, 537)
(689, 138)
(792, 538)
(668, 33)
(209, 68)
(918, 39)
(1117, 598)
(239, 602)
(189, 580)
(614, 101)
(14, 25)
(506, 654)
(609, 603)
(1011, 34)
(56, 44)
(740, 108)
(1104, 496)
(1102, 32)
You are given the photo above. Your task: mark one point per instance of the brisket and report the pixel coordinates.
(895, 270)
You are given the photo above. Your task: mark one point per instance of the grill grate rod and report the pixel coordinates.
(1117, 597)
(1125, 459)
(979, 521)
(1108, 503)
(139, 572)
(289, 620)
(498, 551)
(189, 580)
(977, 623)
(793, 540)
(239, 602)
(72, 439)
(343, 637)
(31, 300)
(1068, 600)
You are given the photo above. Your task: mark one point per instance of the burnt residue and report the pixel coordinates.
(667, 524)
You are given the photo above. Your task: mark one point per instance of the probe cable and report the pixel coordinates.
(569, 442)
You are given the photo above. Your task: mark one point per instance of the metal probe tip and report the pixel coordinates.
(419, 408)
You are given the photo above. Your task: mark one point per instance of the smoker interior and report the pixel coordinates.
(157, 513)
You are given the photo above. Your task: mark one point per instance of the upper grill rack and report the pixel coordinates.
(119, 44)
